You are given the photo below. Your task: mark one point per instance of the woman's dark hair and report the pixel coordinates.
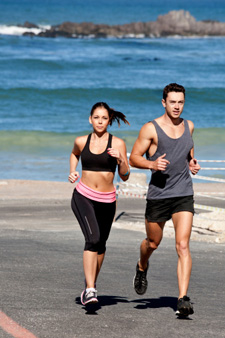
(113, 114)
(173, 87)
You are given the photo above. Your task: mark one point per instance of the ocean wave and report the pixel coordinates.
(18, 30)
(56, 109)
(50, 142)
(141, 94)
(205, 139)
(132, 92)
(31, 63)
(35, 141)
(45, 155)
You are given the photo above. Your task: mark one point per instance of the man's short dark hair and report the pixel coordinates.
(173, 87)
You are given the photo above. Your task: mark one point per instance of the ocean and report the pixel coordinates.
(48, 85)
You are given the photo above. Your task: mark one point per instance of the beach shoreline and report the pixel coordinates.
(45, 205)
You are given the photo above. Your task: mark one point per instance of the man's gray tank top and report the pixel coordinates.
(175, 181)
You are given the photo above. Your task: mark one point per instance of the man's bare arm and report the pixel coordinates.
(194, 167)
(142, 145)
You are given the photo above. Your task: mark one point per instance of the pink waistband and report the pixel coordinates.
(104, 197)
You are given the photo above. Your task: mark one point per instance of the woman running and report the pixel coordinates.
(94, 198)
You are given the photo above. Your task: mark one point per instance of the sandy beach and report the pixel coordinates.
(46, 205)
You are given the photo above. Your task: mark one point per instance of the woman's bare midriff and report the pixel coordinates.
(99, 181)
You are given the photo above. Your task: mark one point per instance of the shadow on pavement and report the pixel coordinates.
(102, 301)
(156, 303)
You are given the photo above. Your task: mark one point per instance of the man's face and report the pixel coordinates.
(174, 104)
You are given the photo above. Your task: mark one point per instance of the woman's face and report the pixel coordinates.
(99, 119)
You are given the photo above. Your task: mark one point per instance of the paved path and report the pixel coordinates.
(41, 280)
(42, 276)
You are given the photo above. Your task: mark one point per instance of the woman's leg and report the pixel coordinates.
(100, 259)
(84, 211)
(90, 264)
(105, 213)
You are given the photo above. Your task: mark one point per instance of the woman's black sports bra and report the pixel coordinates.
(98, 162)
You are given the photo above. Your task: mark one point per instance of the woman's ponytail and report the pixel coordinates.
(117, 116)
(113, 114)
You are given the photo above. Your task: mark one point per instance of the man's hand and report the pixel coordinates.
(194, 167)
(161, 163)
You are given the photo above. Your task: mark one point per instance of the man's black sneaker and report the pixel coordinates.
(89, 297)
(184, 307)
(140, 282)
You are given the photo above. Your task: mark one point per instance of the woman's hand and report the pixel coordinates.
(73, 176)
(124, 170)
(115, 153)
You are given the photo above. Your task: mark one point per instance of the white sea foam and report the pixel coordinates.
(16, 30)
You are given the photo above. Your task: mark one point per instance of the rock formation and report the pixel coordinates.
(180, 23)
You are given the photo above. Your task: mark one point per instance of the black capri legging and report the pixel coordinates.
(95, 219)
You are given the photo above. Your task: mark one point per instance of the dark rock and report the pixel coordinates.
(210, 21)
(53, 34)
(174, 23)
(28, 24)
(29, 34)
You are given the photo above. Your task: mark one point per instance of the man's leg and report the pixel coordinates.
(154, 236)
(154, 233)
(183, 224)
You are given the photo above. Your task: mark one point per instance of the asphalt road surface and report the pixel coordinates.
(42, 278)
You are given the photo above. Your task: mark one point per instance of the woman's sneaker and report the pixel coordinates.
(89, 296)
(140, 282)
(184, 307)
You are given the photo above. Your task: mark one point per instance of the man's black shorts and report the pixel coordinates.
(162, 210)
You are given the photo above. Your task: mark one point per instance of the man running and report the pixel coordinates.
(168, 145)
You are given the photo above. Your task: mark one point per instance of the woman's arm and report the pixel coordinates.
(119, 151)
(74, 159)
